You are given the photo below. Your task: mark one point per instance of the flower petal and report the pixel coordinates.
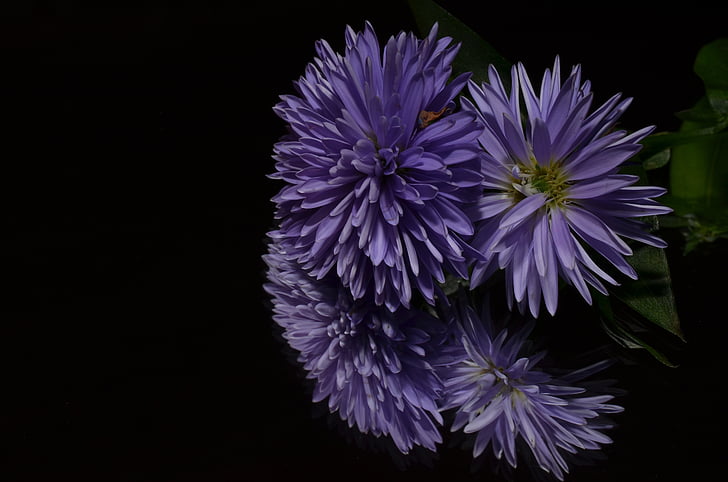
(522, 210)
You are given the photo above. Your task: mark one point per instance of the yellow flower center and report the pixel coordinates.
(551, 180)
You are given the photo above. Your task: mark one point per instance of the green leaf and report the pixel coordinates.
(710, 225)
(657, 160)
(699, 169)
(702, 113)
(665, 140)
(475, 54)
(711, 65)
(651, 294)
(699, 123)
(453, 284)
(698, 152)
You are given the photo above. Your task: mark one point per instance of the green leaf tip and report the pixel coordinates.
(651, 294)
(475, 53)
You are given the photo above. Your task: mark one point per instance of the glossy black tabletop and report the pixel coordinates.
(136, 340)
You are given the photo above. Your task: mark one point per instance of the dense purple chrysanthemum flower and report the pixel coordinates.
(378, 167)
(553, 193)
(502, 395)
(373, 365)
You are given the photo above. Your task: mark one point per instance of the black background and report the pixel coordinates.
(136, 343)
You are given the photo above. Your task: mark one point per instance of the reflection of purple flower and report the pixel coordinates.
(501, 395)
(553, 194)
(372, 365)
(378, 167)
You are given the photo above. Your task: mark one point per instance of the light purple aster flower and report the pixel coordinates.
(372, 364)
(494, 382)
(378, 167)
(553, 193)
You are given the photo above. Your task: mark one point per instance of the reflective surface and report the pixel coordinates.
(136, 342)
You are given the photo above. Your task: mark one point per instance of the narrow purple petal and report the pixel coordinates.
(591, 227)
(600, 187)
(602, 162)
(522, 210)
(541, 142)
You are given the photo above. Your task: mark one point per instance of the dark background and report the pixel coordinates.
(136, 343)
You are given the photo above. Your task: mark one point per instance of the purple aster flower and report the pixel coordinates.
(494, 382)
(372, 364)
(378, 167)
(553, 193)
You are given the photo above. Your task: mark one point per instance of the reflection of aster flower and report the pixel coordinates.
(552, 187)
(372, 364)
(501, 395)
(377, 167)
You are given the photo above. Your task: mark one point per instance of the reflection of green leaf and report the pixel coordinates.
(475, 53)
(651, 295)
(623, 332)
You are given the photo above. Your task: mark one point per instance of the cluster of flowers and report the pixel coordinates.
(395, 183)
